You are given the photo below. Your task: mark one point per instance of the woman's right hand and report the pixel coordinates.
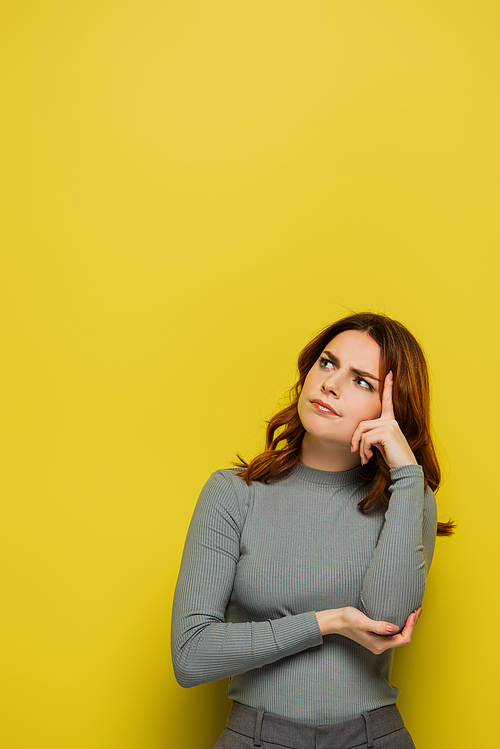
(352, 623)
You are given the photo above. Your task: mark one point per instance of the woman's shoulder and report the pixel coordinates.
(227, 478)
(225, 492)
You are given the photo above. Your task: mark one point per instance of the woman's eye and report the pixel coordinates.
(326, 363)
(364, 383)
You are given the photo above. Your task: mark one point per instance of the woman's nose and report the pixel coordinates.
(330, 385)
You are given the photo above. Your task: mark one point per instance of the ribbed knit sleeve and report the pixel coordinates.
(394, 584)
(204, 646)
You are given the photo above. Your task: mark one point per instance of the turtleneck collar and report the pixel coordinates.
(328, 478)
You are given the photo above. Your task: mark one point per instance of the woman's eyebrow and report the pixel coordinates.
(358, 372)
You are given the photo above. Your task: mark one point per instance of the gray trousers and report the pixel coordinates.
(380, 729)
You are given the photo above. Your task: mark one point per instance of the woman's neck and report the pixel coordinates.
(327, 456)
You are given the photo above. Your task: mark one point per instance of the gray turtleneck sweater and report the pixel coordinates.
(260, 560)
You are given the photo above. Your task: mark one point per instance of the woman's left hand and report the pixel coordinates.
(383, 433)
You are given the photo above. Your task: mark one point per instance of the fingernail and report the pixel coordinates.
(391, 628)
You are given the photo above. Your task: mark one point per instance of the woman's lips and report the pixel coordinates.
(323, 407)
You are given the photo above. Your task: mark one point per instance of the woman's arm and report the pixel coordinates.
(204, 646)
(394, 584)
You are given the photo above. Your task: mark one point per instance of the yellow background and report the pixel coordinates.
(190, 190)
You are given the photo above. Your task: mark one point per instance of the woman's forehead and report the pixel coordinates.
(355, 348)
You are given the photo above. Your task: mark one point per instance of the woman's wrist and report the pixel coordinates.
(329, 621)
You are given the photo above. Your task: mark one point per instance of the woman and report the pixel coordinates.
(299, 576)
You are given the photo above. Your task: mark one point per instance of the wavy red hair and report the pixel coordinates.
(399, 352)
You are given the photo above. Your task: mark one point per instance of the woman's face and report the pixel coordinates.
(341, 389)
